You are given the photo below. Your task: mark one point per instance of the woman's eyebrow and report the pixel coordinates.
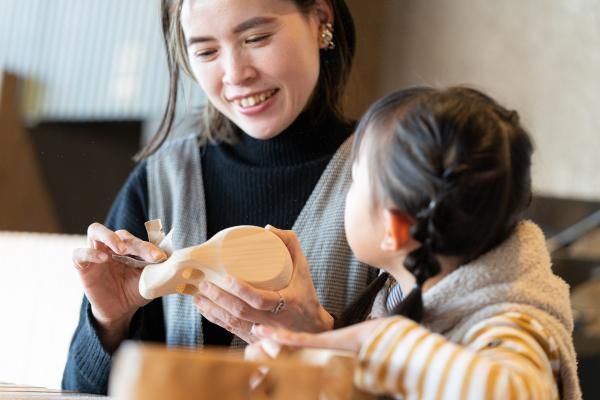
(244, 26)
(252, 23)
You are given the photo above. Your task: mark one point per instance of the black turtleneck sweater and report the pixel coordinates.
(253, 182)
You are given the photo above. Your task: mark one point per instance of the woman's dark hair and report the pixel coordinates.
(326, 99)
(454, 160)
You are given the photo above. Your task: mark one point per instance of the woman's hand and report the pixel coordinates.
(350, 339)
(238, 306)
(111, 287)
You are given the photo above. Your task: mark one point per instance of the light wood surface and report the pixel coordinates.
(25, 392)
(250, 253)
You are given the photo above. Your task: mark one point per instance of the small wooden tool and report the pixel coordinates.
(249, 253)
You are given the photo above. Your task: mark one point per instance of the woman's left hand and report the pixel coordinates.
(238, 306)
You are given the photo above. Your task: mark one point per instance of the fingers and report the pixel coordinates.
(98, 233)
(122, 242)
(295, 339)
(208, 311)
(341, 339)
(255, 352)
(84, 258)
(259, 299)
(263, 350)
(231, 304)
(221, 317)
(292, 243)
(138, 247)
(283, 235)
(288, 238)
(350, 338)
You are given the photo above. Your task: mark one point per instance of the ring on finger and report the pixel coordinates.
(280, 306)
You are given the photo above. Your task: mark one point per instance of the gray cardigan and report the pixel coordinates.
(176, 196)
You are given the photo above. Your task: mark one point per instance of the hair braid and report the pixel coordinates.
(421, 262)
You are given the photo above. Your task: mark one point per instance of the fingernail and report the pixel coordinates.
(271, 347)
(256, 329)
(81, 267)
(264, 330)
(103, 257)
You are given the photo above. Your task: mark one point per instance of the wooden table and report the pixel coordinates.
(23, 392)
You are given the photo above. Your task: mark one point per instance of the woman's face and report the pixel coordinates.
(256, 60)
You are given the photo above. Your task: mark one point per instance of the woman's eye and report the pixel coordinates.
(258, 38)
(204, 54)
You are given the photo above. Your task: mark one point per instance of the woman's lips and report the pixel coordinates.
(254, 103)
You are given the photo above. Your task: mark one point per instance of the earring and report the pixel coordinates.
(327, 36)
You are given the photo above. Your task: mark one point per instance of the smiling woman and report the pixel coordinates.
(258, 23)
(273, 148)
(273, 58)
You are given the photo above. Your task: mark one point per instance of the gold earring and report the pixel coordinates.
(327, 36)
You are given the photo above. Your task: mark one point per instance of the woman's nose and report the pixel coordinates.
(238, 70)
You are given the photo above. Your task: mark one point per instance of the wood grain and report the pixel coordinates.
(249, 253)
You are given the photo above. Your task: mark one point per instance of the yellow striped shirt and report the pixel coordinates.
(508, 356)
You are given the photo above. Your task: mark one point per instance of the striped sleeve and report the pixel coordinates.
(508, 356)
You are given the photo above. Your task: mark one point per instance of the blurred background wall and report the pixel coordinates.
(540, 57)
(85, 60)
(92, 83)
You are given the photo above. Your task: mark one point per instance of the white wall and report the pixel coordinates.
(40, 295)
(540, 57)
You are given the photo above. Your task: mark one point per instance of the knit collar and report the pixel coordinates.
(502, 275)
(501, 281)
(303, 141)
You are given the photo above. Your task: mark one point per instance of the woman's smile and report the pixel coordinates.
(254, 102)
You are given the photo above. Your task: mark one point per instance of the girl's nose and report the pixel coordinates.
(238, 70)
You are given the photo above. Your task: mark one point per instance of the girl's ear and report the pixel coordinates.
(397, 230)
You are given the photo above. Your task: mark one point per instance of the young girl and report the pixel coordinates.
(441, 178)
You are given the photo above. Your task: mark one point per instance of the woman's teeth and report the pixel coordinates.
(252, 101)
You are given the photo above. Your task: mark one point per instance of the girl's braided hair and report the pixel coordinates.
(458, 163)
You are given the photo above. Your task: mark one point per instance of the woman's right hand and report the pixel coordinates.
(237, 306)
(112, 287)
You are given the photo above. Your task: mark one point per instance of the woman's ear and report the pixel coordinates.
(324, 10)
(397, 230)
